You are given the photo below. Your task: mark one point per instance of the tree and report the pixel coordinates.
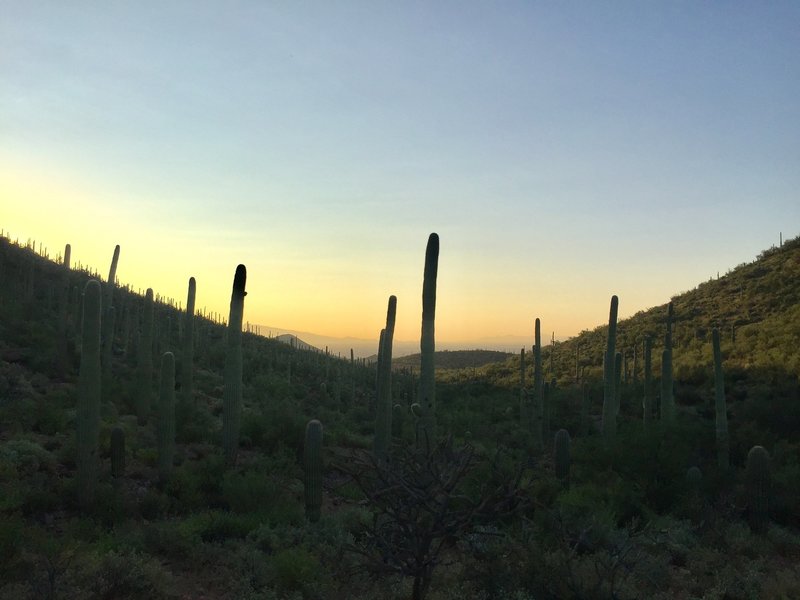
(424, 501)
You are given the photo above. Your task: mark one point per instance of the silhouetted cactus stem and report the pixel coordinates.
(232, 394)
(720, 406)
(561, 456)
(383, 408)
(117, 453)
(667, 400)
(187, 360)
(144, 368)
(647, 400)
(427, 385)
(609, 391)
(312, 462)
(89, 392)
(758, 484)
(166, 417)
(537, 406)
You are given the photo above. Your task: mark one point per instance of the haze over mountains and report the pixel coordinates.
(363, 348)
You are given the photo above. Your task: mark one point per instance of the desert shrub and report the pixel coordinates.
(25, 457)
(295, 569)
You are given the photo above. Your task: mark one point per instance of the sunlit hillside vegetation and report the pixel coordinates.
(478, 510)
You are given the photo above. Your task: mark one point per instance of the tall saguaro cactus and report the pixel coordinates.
(89, 390)
(187, 360)
(383, 407)
(647, 401)
(758, 485)
(537, 409)
(166, 417)
(523, 396)
(667, 399)
(108, 320)
(720, 406)
(144, 367)
(609, 378)
(312, 463)
(427, 386)
(232, 395)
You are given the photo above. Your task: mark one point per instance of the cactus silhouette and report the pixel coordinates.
(232, 395)
(144, 367)
(609, 392)
(117, 453)
(427, 385)
(561, 457)
(166, 416)
(187, 360)
(312, 463)
(383, 406)
(89, 391)
(758, 484)
(720, 406)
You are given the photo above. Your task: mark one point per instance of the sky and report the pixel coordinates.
(563, 151)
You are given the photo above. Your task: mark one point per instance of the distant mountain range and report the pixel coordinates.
(364, 348)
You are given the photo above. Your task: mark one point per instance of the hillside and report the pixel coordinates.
(452, 359)
(500, 502)
(756, 307)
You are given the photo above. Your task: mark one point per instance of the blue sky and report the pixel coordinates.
(564, 152)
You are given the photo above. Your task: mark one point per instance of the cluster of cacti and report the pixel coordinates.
(166, 416)
(427, 385)
(89, 391)
(312, 464)
(720, 406)
(561, 456)
(609, 378)
(144, 367)
(232, 395)
(383, 406)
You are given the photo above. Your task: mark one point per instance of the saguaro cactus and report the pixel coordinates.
(383, 407)
(647, 401)
(720, 406)
(232, 395)
(524, 412)
(89, 390)
(166, 417)
(187, 360)
(561, 457)
(144, 368)
(758, 485)
(312, 462)
(617, 382)
(427, 386)
(667, 400)
(609, 392)
(537, 408)
(117, 453)
(108, 319)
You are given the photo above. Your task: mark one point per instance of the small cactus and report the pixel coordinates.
(312, 462)
(758, 484)
(561, 457)
(117, 453)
